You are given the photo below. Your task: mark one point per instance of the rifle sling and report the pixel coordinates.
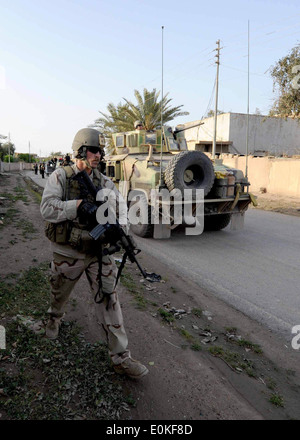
(125, 255)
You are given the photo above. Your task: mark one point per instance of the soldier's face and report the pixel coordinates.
(93, 158)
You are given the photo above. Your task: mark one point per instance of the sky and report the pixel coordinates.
(63, 61)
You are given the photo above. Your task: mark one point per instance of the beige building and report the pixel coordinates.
(267, 135)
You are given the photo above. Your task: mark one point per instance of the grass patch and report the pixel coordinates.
(271, 384)
(231, 330)
(130, 284)
(57, 380)
(11, 215)
(166, 316)
(19, 194)
(241, 341)
(235, 360)
(197, 312)
(247, 344)
(41, 379)
(196, 346)
(27, 227)
(186, 334)
(27, 293)
(276, 400)
(34, 190)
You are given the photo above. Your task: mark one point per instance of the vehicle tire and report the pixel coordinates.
(216, 222)
(144, 228)
(190, 170)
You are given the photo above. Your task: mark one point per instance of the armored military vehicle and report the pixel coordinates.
(138, 166)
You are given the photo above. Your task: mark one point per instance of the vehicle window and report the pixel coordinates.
(120, 141)
(150, 138)
(132, 140)
(111, 171)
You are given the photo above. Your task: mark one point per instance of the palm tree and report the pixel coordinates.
(147, 110)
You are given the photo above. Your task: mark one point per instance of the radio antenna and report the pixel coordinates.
(247, 133)
(161, 105)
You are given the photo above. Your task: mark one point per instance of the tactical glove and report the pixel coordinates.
(87, 212)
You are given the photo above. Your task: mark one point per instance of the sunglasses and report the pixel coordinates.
(94, 150)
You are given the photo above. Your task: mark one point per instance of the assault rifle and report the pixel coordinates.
(113, 234)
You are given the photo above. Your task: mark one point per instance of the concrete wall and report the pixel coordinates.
(272, 135)
(14, 166)
(205, 132)
(278, 175)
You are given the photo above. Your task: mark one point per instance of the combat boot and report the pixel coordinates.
(132, 368)
(52, 328)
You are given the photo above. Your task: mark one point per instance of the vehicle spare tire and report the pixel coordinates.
(190, 170)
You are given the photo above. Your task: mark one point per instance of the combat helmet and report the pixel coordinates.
(137, 123)
(87, 137)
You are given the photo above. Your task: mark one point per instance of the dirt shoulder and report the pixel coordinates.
(206, 360)
(278, 203)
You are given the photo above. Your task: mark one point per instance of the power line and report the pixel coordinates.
(264, 26)
(241, 70)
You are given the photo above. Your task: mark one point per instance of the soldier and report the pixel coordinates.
(42, 170)
(66, 160)
(138, 125)
(67, 224)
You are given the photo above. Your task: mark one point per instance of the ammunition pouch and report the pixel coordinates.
(57, 232)
(65, 233)
(81, 240)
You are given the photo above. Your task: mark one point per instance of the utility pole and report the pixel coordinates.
(216, 100)
(161, 107)
(29, 153)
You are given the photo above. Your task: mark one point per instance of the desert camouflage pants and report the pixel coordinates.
(66, 271)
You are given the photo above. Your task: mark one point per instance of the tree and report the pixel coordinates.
(6, 149)
(26, 157)
(212, 113)
(121, 117)
(56, 153)
(2, 152)
(286, 82)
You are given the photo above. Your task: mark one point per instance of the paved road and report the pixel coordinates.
(256, 270)
(37, 178)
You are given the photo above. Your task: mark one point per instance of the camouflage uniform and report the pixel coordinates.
(59, 206)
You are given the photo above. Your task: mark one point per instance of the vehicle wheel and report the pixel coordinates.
(216, 222)
(190, 170)
(142, 210)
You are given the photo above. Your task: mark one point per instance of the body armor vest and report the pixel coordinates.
(74, 192)
(73, 232)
